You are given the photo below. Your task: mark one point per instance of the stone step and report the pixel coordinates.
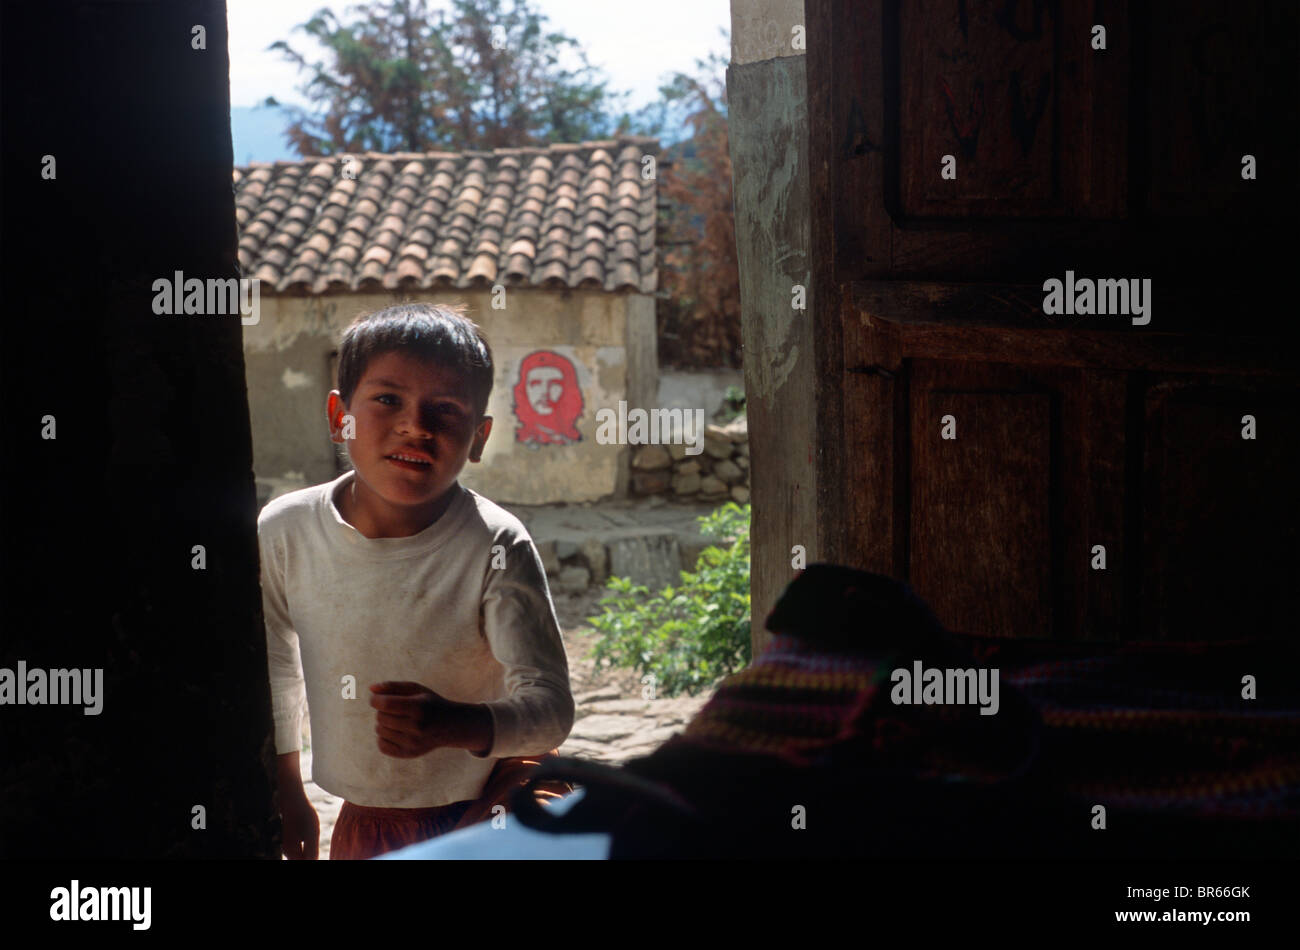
(582, 545)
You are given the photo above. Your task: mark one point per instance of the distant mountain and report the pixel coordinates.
(258, 135)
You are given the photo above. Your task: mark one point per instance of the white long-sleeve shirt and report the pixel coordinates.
(462, 607)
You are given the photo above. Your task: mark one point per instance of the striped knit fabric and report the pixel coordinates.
(1158, 729)
(791, 702)
(799, 703)
(1159, 734)
(1151, 727)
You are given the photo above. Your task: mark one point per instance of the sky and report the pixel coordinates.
(634, 42)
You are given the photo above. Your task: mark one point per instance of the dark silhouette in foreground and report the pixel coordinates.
(806, 754)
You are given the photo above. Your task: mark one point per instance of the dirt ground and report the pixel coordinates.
(572, 610)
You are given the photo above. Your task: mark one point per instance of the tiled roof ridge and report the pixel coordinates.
(586, 145)
(563, 215)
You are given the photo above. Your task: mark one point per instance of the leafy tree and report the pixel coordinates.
(398, 77)
(699, 320)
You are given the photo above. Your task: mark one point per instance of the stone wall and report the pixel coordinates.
(646, 540)
(719, 473)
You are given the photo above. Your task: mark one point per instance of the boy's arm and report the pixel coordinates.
(521, 629)
(289, 774)
(288, 690)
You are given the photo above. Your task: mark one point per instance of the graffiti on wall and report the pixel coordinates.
(548, 400)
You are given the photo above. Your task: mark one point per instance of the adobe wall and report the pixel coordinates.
(607, 338)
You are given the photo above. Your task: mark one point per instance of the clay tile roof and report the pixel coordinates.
(483, 268)
(561, 216)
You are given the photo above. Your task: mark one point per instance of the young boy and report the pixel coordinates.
(430, 651)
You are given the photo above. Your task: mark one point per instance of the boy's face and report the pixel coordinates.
(415, 427)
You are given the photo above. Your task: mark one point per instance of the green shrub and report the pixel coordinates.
(733, 404)
(690, 636)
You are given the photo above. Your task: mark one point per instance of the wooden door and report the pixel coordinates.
(1037, 473)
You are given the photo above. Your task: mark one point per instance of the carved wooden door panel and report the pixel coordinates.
(1083, 474)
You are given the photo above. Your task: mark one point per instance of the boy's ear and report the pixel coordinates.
(336, 413)
(481, 434)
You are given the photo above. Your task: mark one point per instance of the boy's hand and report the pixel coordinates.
(301, 829)
(413, 720)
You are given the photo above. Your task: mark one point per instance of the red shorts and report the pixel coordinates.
(363, 832)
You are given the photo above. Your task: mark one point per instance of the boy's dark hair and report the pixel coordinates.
(438, 333)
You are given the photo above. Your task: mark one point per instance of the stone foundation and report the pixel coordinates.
(718, 474)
